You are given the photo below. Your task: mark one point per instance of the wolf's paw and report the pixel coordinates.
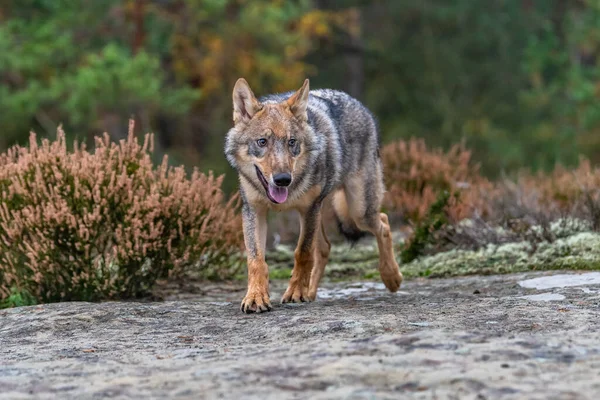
(296, 294)
(256, 301)
(312, 293)
(391, 277)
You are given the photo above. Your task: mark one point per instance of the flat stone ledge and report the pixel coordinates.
(474, 336)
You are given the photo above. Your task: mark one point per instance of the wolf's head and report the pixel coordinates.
(269, 141)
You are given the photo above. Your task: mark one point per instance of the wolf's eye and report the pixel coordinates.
(262, 142)
(292, 142)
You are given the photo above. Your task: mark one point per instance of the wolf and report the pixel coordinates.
(300, 150)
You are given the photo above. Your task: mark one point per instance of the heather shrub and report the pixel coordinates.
(450, 206)
(532, 203)
(416, 175)
(81, 225)
(569, 192)
(533, 208)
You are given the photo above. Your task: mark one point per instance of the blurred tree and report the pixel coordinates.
(465, 70)
(517, 80)
(563, 66)
(215, 42)
(70, 62)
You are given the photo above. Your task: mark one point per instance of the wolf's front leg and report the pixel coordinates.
(255, 235)
(304, 256)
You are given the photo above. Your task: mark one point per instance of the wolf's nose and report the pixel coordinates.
(282, 179)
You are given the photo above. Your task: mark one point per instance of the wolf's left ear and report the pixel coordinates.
(245, 104)
(298, 102)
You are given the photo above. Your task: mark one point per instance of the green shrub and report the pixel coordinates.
(79, 225)
(425, 231)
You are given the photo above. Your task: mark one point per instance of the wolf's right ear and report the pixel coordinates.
(245, 104)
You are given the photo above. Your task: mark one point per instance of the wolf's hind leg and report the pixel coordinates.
(322, 248)
(388, 267)
(389, 270)
(364, 193)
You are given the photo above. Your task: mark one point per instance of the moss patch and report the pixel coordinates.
(345, 262)
(280, 273)
(578, 251)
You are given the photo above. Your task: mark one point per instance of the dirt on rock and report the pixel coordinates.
(478, 337)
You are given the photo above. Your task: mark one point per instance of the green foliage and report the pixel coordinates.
(57, 67)
(516, 81)
(115, 80)
(423, 236)
(563, 67)
(17, 298)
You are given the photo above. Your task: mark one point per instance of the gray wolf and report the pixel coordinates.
(300, 150)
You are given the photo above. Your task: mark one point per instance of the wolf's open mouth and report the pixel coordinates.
(276, 194)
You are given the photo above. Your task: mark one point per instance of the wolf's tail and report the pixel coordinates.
(345, 223)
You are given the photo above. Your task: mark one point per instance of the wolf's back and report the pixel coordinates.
(348, 116)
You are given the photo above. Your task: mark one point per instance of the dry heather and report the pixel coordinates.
(80, 225)
(450, 206)
(416, 175)
(525, 209)
(568, 192)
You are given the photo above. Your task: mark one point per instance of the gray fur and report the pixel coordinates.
(311, 220)
(344, 141)
(349, 143)
(328, 142)
(349, 129)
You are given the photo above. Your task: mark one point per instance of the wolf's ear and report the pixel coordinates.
(298, 102)
(245, 104)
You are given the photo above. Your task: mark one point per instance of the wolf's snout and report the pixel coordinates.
(282, 179)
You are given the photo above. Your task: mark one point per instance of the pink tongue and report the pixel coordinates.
(279, 194)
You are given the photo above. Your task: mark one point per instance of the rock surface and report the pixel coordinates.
(462, 338)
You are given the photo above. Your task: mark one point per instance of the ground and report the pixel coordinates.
(493, 337)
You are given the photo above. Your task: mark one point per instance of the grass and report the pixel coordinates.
(280, 273)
